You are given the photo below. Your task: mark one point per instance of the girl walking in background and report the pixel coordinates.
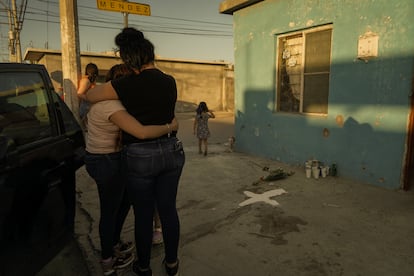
(201, 129)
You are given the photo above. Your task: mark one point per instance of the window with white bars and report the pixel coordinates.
(303, 68)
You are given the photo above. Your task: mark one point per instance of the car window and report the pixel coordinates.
(69, 124)
(24, 113)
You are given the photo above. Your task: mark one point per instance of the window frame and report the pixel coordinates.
(27, 98)
(279, 59)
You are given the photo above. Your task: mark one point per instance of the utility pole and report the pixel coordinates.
(12, 50)
(15, 26)
(125, 14)
(17, 29)
(71, 64)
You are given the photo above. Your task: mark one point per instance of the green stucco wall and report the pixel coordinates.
(371, 98)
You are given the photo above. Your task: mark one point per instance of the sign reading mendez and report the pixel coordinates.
(123, 6)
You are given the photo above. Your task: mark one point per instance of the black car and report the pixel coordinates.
(41, 147)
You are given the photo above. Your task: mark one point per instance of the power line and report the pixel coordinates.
(47, 12)
(155, 24)
(155, 28)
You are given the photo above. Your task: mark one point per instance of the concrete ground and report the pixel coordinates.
(325, 226)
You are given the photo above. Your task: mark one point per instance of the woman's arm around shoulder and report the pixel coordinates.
(129, 124)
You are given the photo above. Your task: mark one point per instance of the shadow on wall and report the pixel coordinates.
(357, 147)
(57, 76)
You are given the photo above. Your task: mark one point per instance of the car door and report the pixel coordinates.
(40, 149)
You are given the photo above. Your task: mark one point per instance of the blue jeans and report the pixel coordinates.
(153, 172)
(105, 169)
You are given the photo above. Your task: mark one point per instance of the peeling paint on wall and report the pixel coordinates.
(339, 120)
(251, 36)
(378, 120)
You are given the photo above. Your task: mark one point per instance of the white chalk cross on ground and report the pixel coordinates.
(265, 197)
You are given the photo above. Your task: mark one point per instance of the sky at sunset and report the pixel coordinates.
(178, 28)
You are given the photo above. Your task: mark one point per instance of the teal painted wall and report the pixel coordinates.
(372, 98)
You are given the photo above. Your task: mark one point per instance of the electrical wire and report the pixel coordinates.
(48, 12)
(88, 18)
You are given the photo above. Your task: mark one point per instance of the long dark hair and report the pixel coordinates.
(117, 71)
(91, 71)
(135, 50)
(202, 107)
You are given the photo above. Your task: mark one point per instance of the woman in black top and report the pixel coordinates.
(153, 166)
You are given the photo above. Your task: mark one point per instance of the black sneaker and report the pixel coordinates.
(123, 248)
(172, 271)
(140, 272)
(108, 268)
(123, 261)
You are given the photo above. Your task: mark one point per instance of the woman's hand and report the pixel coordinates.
(174, 124)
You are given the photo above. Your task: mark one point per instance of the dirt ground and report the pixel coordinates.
(326, 226)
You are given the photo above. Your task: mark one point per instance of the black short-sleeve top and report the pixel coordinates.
(149, 96)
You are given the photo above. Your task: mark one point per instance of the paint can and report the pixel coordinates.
(308, 170)
(324, 171)
(315, 172)
(334, 170)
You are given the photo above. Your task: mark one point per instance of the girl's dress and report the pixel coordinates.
(203, 131)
